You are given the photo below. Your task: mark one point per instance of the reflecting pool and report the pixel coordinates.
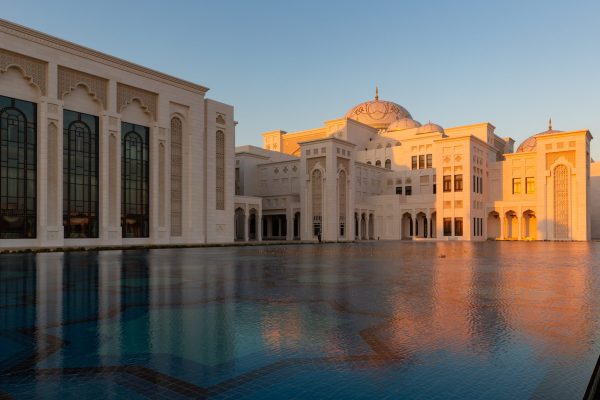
(411, 320)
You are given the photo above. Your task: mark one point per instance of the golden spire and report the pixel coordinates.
(376, 93)
(550, 124)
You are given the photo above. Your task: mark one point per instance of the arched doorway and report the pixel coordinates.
(493, 225)
(239, 223)
(432, 226)
(421, 225)
(356, 230)
(406, 227)
(371, 226)
(252, 231)
(529, 225)
(512, 225)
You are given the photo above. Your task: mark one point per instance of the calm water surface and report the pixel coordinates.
(371, 320)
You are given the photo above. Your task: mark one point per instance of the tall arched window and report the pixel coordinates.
(342, 202)
(18, 173)
(135, 211)
(388, 164)
(176, 176)
(561, 202)
(378, 163)
(220, 170)
(317, 200)
(80, 175)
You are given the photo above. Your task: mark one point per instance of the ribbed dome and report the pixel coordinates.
(377, 113)
(530, 144)
(429, 127)
(404, 123)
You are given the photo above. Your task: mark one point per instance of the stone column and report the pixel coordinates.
(259, 225)
(246, 226)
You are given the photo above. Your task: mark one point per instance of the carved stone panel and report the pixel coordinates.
(34, 69)
(126, 94)
(69, 79)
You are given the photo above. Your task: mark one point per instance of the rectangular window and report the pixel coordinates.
(516, 185)
(458, 183)
(398, 189)
(429, 160)
(447, 183)
(475, 184)
(408, 190)
(447, 226)
(434, 188)
(421, 161)
(481, 185)
(458, 227)
(414, 162)
(529, 185)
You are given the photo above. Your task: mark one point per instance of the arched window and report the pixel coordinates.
(220, 170)
(369, 162)
(18, 176)
(317, 200)
(135, 200)
(378, 163)
(80, 175)
(342, 202)
(387, 146)
(388, 164)
(176, 176)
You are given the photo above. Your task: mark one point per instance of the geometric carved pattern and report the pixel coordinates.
(220, 170)
(561, 202)
(176, 176)
(220, 119)
(552, 157)
(35, 70)
(317, 195)
(69, 79)
(312, 162)
(342, 201)
(126, 94)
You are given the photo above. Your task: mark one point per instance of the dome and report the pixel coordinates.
(429, 127)
(377, 113)
(404, 123)
(530, 144)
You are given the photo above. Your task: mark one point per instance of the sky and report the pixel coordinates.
(292, 65)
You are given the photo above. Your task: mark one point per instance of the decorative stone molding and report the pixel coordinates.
(52, 108)
(126, 94)
(112, 121)
(69, 79)
(34, 69)
(221, 119)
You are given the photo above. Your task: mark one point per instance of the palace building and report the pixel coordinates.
(377, 173)
(95, 150)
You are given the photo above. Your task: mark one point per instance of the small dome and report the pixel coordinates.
(377, 113)
(530, 144)
(404, 123)
(429, 127)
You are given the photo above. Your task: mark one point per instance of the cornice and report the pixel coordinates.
(96, 56)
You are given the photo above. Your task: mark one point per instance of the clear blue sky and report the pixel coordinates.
(293, 64)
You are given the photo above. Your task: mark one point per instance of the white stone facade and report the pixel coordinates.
(184, 181)
(404, 180)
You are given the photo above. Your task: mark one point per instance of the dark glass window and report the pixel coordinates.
(447, 226)
(378, 163)
(388, 164)
(429, 160)
(80, 175)
(458, 227)
(414, 162)
(135, 211)
(18, 169)
(458, 183)
(398, 189)
(421, 161)
(447, 183)
(408, 190)
(434, 188)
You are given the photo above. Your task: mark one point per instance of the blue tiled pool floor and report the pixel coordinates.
(370, 320)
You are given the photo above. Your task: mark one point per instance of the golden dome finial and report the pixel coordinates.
(550, 124)
(376, 93)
